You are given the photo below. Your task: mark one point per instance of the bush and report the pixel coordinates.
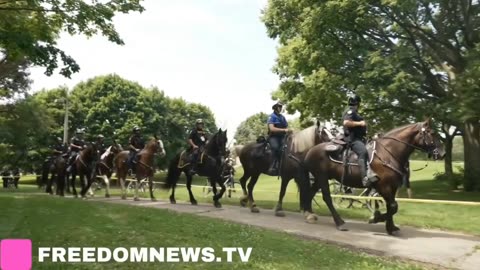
(454, 179)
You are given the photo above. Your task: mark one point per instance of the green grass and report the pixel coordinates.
(59, 222)
(435, 216)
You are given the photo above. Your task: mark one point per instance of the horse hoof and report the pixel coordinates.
(217, 205)
(84, 198)
(194, 202)
(279, 213)
(173, 201)
(136, 199)
(311, 219)
(394, 233)
(254, 209)
(124, 197)
(342, 228)
(243, 203)
(154, 199)
(107, 195)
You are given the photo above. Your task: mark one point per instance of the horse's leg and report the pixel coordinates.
(60, 179)
(283, 188)
(243, 183)
(172, 196)
(150, 187)
(121, 179)
(72, 183)
(189, 188)
(217, 197)
(107, 185)
(251, 201)
(327, 198)
(137, 184)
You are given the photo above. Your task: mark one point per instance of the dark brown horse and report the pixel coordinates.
(211, 166)
(105, 166)
(255, 163)
(84, 165)
(388, 159)
(144, 168)
(57, 169)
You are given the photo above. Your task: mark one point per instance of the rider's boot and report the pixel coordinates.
(363, 172)
(273, 170)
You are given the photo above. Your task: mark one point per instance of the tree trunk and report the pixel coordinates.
(471, 142)
(448, 155)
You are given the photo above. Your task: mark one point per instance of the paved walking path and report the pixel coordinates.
(433, 247)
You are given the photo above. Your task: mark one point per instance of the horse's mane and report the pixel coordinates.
(107, 152)
(399, 129)
(303, 140)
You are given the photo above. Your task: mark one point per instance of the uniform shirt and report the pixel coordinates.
(137, 141)
(354, 132)
(59, 147)
(100, 147)
(278, 121)
(78, 142)
(199, 137)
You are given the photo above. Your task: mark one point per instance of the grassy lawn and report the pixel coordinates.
(60, 222)
(438, 216)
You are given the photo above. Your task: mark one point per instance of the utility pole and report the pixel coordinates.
(65, 120)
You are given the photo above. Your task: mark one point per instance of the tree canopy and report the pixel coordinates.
(29, 29)
(111, 105)
(249, 130)
(407, 59)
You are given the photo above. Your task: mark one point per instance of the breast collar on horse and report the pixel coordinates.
(401, 172)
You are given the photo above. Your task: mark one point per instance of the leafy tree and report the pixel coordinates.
(29, 29)
(22, 132)
(249, 130)
(407, 59)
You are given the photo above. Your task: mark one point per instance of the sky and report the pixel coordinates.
(214, 52)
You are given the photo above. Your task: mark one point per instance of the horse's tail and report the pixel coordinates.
(303, 185)
(173, 173)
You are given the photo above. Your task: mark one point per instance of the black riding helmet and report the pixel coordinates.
(278, 104)
(354, 100)
(136, 128)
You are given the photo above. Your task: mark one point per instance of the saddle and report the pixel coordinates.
(339, 151)
(262, 148)
(186, 157)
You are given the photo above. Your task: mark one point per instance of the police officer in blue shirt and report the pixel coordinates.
(277, 129)
(355, 130)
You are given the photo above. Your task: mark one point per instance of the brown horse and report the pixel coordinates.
(212, 164)
(84, 166)
(144, 168)
(255, 163)
(388, 158)
(105, 166)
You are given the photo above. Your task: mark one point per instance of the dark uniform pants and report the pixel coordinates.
(276, 143)
(132, 156)
(358, 146)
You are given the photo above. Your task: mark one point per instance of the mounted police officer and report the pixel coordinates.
(59, 148)
(277, 130)
(136, 144)
(355, 129)
(100, 145)
(196, 140)
(77, 144)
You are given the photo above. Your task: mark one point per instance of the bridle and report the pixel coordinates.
(429, 148)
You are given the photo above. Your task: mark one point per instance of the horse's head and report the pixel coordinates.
(159, 147)
(321, 134)
(219, 142)
(116, 147)
(428, 140)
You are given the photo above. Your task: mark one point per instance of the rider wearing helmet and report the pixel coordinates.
(355, 129)
(100, 144)
(76, 145)
(136, 144)
(196, 140)
(277, 129)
